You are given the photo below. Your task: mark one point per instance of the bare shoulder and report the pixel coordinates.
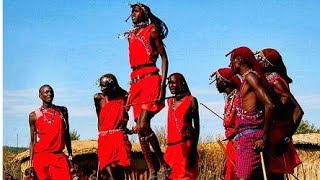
(154, 32)
(63, 108)
(252, 77)
(194, 102)
(98, 96)
(32, 117)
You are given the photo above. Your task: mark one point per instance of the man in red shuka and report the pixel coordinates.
(283, 157)
(147, 90)
(49, 132)
(183, 130)
(114, 147)
(229, 84)
(254, 110)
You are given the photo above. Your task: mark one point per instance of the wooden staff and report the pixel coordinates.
(211, 111)
(263, 166)
(98, 170)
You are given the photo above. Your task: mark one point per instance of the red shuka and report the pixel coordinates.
(229, 125)
(114, 147)
(289, 159)
(179, 135)
(141, 52)
(147, 89)
(49, 161)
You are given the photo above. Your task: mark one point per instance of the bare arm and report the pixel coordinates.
(33, 134)
(287, 97)
(263, 97)
(97, 100)
(155, 35)
(67, 139)
(196, 119)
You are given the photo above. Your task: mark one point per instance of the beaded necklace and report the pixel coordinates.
(175, 116)
(45, 111)
(230, 107)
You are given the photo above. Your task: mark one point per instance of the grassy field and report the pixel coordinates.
(211, 162)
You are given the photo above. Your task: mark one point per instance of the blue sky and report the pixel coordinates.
(70, 44)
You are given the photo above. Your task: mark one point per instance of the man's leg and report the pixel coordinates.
(147, 136)
(110, 171)
(144, 132)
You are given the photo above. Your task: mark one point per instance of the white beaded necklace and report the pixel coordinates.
(44, 111)
(175, 116)
(230, 97)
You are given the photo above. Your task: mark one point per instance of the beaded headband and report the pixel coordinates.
(218, 77)
(109, 80)
(260, 57)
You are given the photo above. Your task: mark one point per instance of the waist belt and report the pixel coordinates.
(178, 142)
(138, 78)
(134, 68)
(111, 131)
(244, 132)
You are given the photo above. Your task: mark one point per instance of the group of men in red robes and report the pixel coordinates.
(254, 94)
(261, 115)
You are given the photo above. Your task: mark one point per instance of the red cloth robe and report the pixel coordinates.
(289, 159)
(229, 125)
(114, 147)
(180, 137)
(48, 159)
(148, 87)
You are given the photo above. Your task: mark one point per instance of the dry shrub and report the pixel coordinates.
(309, 169)
(8, 166)
(211, 161)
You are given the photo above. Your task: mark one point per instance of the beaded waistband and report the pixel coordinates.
(111, 131)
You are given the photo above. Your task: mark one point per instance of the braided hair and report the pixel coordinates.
(153, 19)
(274, 57)
(118, 91)
(184, 88)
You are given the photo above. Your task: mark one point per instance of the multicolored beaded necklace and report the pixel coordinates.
(45, 111)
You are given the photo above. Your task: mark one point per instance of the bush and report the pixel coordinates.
(74, 135)
(306, 127)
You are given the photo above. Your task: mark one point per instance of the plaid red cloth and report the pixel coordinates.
(248, 160)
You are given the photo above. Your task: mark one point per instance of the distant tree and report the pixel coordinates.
(307, 127)
(74, 135)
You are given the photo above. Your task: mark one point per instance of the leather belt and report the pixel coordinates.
(138, 78)
(134, 68)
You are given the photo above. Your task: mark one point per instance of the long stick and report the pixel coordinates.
(152, 101)
(98, 170)
(263, 166)
(211, 111)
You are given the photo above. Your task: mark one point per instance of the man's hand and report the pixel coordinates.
(162, 94)
(31, 171)
(259, 145)
(282, 146)
(70, 157)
